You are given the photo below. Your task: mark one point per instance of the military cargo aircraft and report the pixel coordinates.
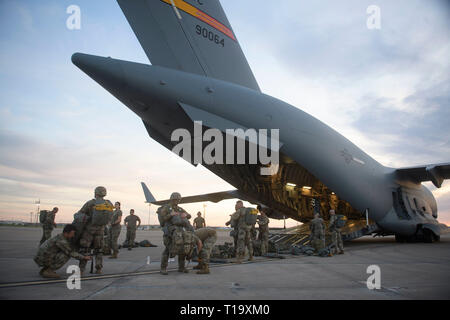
(199, 74)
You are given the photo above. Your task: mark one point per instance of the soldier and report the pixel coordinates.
(233, 223)
(99, 212)
(208, 238)
(166, 215)
(130, 222)
(317, 233)
(199, 222)
(263, 235)
(55, 252)
(115, 230)
(48, 224)
(244, 229)
(336, 236)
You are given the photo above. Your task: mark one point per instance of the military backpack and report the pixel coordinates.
(341, 220)
(251, 216)
(43, 215)
(101, 213)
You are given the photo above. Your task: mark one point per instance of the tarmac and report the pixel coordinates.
(407, 271)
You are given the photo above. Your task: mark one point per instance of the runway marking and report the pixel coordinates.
(122, 275)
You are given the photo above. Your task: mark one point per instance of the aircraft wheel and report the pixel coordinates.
(399, 238)
(428, 236)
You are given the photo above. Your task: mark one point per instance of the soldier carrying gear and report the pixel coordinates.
(263, 236)
(244, 218)
(336, 222)
(47, 219)
(96, 213)
(55, 252)
(173, 233)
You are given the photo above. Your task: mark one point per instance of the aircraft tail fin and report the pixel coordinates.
(149, 198)
(190, 36)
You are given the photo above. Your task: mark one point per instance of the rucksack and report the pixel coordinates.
(251, 216)
(80, 221)
(43, 215)
(341, 220)
(102, 212)
(158, 212)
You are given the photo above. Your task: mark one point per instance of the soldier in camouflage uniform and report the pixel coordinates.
(130, 222)
(233, 223)
(208, 238)
(244, 233)
(93, 234)
(199, 222)
(48, 225)
(166, 213)
(336, 236)
(263, 222)
(55, 252)
(317, 233)
(115, 230)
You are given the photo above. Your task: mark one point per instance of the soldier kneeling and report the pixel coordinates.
(56, 251)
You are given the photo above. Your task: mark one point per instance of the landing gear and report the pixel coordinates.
(400, 239)
(429, 236)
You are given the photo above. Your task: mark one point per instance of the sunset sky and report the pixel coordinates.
(62, 134)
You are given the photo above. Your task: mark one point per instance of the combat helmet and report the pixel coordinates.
(175, 196)
(100, 191)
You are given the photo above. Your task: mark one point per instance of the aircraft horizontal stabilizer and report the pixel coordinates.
(213, 197)
(436, 173)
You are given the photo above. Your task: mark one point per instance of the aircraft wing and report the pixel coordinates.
(436, 173)
(190, 36)
(213, 197)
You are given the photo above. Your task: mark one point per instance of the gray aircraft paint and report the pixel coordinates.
(167, 98)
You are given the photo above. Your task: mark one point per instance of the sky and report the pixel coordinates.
(61, 134)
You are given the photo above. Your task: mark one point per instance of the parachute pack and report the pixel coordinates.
(43, 215)
(341, 220)
(102, 212)
(251, 215)
(182, 243)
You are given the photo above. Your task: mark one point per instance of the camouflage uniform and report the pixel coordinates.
(243, 234)
(48, 226)
(336, 236)
(131, 229)
(55, 252)
(92, 236)
(199, 223)
(317, 234)
(115, 232)
(208, 237)
(263, 222)
(168, 229)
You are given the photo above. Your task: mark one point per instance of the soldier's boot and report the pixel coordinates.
(181, 267)
(199, 266)
(204, 270)
(114, 255)
(98, 271)
(49, 273)
(250, 258)
(163, 268)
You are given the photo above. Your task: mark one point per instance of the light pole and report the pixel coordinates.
(38, 209)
